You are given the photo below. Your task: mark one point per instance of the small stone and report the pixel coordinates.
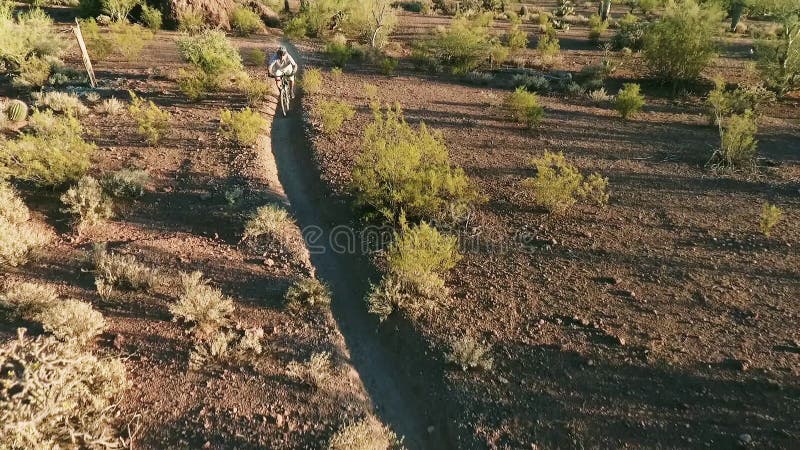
(745, 439)
(269, 262)
(590, 363)
(279, 420)
(502, 379)
(621, 340)
(118, 342)
(431, 429)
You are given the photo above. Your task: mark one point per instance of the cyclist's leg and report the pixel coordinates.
(291, 85)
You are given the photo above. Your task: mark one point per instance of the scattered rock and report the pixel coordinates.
(745, 439)
(118, 341)
(431, 429)
(269, 262)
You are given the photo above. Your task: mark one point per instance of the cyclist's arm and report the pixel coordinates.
(271, 66)
(293, 63)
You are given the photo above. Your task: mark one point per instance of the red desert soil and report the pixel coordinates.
(665, 320)
(184, 223)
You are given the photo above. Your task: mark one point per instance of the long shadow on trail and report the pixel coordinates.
(395, 399)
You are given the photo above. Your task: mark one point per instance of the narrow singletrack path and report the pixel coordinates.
(347, 275)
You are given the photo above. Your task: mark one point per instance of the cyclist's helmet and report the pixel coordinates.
(281, 50)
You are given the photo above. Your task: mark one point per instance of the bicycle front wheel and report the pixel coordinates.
(285, 97)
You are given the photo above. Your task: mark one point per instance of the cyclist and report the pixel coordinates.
(282, 65)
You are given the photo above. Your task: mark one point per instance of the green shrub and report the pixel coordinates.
(191, 20)
(402, 169)
(254, 57)
(255, 90)
(682, 43)
(524, 107)
(63, 396)
(779, 59)
(388, 65)
(549, 48)
(245, 21)
(515, 38)
(196, 84)
(54, 155)
(15, 110)
(558, 185)
(244, 126)
(129, 39)
(533, 83)
(600, 96)
(628, 101)
(367, 433)
(99, 45)
(113, 270)
(722, 103)
(738, 145)
(338, 52)
(420, 251)
(118, 10)
(469, 354)
(87, 202)
(596, 27)
(25, 301)
(311, 81)
(19, 236)
(31, 34)
(61, 102)
(295, 28)
(272, 224)
(370, 21)
(110, 106)
(72, 321)
(126, 183)
(89, 8)
(201, 305)
(417, 260)
(308, 292)
(153, 122)
(317, 372)
(333, 115)
(211, 52)
(630, 33)
(770, 216)
(151, 17)
(463, 47)
(33, 72)
(230, 346)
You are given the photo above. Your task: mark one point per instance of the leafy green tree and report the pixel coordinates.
(779, 58)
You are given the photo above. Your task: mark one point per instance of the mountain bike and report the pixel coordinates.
(284, 93)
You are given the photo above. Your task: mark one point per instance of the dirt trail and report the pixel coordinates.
(347, 276)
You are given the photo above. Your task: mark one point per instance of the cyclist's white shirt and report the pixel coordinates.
(277, 64)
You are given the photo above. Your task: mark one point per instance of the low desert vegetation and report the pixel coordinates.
(29, 46)
(25, 301)
(418, 260)
(629, 100)
(61, 102)
(464, 47)
(57, 395)
(597, 26)
(317, 372)
(20, 236)
(126, 183)
(367, 21)
(72, 321)
(308, 293)
(469, 354)
(770, 216)
(227, 347)
(271, 228)
(153, 122)
(683, 41)
(779, 58)
(332, 115)
(337, 51)
(213, 57)
(111, 107)
(245, 21)
(244, 126)
(51, 155)
(191, 20)
(630, 33)
(202, 306)
(256, 91)
(367, 433)
(87, 203)
(151, 17)
(524, 107)
(722, 102)
(600, 96)
(311, 83)
(403, 170)
(558, 185)
(117, 271)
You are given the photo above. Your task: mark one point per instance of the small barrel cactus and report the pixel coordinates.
(16, 111)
